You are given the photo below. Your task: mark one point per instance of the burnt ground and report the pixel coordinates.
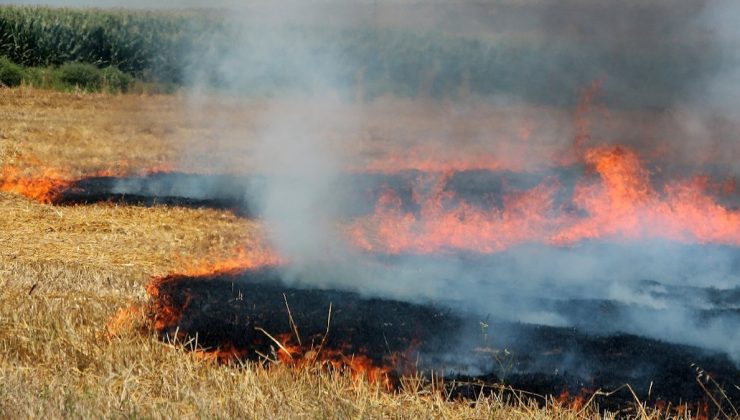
(229, 308)
(356, 193)
(221, 192)
(473, 353)
(225, 310)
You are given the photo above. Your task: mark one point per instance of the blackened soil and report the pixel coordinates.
(233, 308)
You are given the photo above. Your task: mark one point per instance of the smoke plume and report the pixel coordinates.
(668, 72)
(662, 66)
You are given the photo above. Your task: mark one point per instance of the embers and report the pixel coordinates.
(252, 315)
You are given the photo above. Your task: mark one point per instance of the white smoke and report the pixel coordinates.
(298, 147)
(303, 164)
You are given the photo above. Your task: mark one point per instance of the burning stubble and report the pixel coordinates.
(614, 203)
(597, 238)
(594, 201)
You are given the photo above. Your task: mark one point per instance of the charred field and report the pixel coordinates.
(123, 272)
(270, 316)
(228, 316)
(365, 211)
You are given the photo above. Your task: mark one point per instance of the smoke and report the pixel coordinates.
(663, 64)
(670, 79)
(299, 204)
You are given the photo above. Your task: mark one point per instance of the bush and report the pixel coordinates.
(39, 77)
(114, 80)
(84, 76)
(11, 74)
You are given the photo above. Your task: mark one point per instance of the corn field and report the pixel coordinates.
(146, 44)
(182, 47)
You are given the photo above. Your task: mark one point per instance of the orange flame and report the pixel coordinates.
(163, 314)
(437, 229)
(167, 315)
(45, 184)
(624, 204)
(574, 403)
(226, 353)
(126, 321)
(621, 204)
(358, 365)
(244, 258)
(43, 187)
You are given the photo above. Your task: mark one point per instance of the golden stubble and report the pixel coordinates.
(66, 271)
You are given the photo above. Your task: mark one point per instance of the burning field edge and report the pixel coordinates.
(237, 316)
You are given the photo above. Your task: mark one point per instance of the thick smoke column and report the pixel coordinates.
(292, 150)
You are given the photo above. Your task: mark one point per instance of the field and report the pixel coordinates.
(510, 209)
(66, 271)
(411, 51)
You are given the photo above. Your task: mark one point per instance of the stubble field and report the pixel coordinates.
(66, 271)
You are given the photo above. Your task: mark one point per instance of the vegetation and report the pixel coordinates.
(68, 77)
(10, 73)
(180, 47)
(139, 43)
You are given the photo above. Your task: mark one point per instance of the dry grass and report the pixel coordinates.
(150, 240)
(57, 362)
(65, 271)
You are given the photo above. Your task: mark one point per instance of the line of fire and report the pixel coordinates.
(456, 272)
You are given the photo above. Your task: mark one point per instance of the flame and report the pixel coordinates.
(163, 314)
(226, 353)
(621, 204)
(126, 321)
(575, 403)
(438, 228)
(42, 187)
(358, 365)
(624, 204)
(253, 256)
(45, 184)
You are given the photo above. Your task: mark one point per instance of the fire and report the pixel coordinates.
(574, 403)
(166, 315)
(438, 228)
(163, 315)
(226, 353)
(125, 321)
(255, 255)
(358, 365)
(45, 184)
(42, 187)
(622, 204)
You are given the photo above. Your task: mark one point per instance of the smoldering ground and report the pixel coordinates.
(673, 60)
(652, 58)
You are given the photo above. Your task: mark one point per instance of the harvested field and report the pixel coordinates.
(73, 275)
